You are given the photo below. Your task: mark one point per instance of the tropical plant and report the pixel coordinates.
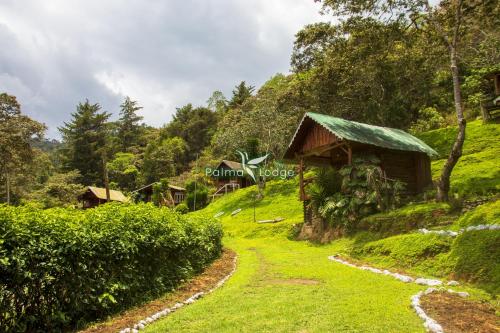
(161, 194)
(343, 197)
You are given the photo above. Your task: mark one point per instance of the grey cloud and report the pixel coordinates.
(162, 53)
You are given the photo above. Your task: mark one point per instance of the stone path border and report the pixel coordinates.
(143, 323)
(429, 323)
(456, 233)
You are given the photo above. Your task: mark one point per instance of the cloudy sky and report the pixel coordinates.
(163, 53)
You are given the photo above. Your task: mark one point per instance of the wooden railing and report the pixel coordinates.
(225, 189)
(490, 108)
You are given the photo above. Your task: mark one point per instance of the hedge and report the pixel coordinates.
(63, 268)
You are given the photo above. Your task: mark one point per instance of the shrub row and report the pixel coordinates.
(62, 268)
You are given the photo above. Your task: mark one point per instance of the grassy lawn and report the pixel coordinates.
(287, 286)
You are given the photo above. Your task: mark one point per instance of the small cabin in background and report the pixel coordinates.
(322, 140)
(230, 173)
(94, 196)
(490, 106)
(175, 195)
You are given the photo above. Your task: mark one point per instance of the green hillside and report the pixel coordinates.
(478, 171)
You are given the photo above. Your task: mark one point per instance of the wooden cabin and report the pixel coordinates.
(175, 195)
(230, 172)
(228, 176)
(94, 196)
(323, 140)
(490, 106)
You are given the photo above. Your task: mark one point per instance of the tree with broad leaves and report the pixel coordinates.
(450, 20)
(16, 134)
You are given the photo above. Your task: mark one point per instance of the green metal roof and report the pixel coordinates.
(385, 137)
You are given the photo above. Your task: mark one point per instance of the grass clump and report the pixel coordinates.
(475, 255)
(407, 218)
(488, 213)
(407, 250)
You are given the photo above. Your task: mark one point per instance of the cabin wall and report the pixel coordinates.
(318, 136)
(409, 167)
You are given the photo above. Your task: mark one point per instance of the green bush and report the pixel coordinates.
(343, 197)
(182, 208)
(61, 268)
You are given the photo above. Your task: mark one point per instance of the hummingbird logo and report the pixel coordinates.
(250, 165)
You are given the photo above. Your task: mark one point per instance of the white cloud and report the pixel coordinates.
(162, 53)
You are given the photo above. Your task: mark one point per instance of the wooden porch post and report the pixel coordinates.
(301, 179)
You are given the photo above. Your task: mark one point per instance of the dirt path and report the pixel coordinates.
(203, 282)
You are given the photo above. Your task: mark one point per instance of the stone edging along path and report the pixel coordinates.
(456, 233)
(160, 314)
(430, 324)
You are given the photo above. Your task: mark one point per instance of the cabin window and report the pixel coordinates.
(178, 197)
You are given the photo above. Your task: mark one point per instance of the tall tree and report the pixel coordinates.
(240, 94)
(369, 71)
(16, 134)
(123, 171)
(129, 126)
(449, 20)
(84, 142)
(195, 126)
(162, 159)
(217, 102)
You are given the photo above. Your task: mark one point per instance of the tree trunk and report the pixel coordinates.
(7, 186)
(443, 185)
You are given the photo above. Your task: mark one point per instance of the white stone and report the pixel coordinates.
(453, 283)
(135, 331)
(403, 278)
(432, 326)
(428, 282)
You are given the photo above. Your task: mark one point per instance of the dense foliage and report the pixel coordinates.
(61, 268)
(343, 197)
